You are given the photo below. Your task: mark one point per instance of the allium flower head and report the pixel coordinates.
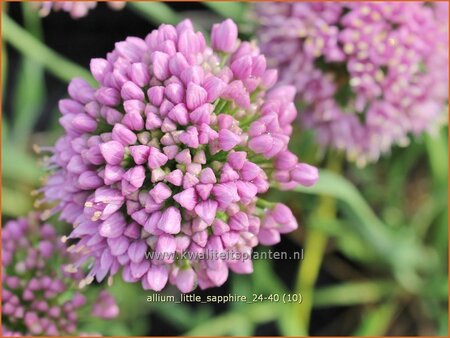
(367, 73)
(76, 9)
(36, 278)
(169, 154)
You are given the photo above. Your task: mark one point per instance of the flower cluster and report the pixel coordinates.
(34, 290)
(367, 73)
(76, 9)
(169, 154)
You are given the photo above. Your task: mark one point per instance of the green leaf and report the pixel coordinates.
(4, 68)
(437, 150)
(228, 322)
(5, 132)
(28, 100)
(265, 280)
(156, 12)
(376, 322)
(29, 89)
(399, 249)
(353, 293)
(227, 9)
(17, 165)
(15, 203)
(32, 48)
(184, 319)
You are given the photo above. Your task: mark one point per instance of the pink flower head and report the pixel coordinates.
(368, 73)
(186, 136)
(36, 271)
(76, 9)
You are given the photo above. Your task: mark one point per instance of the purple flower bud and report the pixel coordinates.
(135, 176)
(204, 190)
(189, 180)
(175, 177)
(157, 277)
(179, 114)
(171, 151)
(218, 276)
(155, 95)
(166, 245)
(84, 123)
(242, 67)
(140, 153)
(238, 221)
(118, 245)
(99, 67)
(237, 159)
(225, 194)
(89, 180)
(224, 36)
(190, 137)
(156, 159)
(228, 140)
(261, 144)
(185, 280)
(137, 250)
(105, 306)
(202, 114)
(184, 157)
(195, 96)
(305, 174)
(113, 174)
(214, 86)
(207, 176)
(285, 160)
(250, 171)
(160, 65)
(160, 193)
(112, 152)
(187, 198)
(130, 91)
(170, 221)
(178, 64)
(139, 74)
(113, 226)
(108, 96)
(207, 211)
(194, 74)
(174, 92)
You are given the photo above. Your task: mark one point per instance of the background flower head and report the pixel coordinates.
(368, 74)
(169, 154)
(76, 9)
(37, 279)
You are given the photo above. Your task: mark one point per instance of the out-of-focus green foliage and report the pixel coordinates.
(383, 236)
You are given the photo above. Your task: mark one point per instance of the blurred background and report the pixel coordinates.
(376, 262)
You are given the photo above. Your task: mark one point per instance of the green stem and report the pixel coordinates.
(34, 49)
(315, 245)
(437, 151)
(263, 203)
(376, 322)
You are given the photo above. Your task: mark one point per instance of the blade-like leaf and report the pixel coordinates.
(156, 12)
(399, 249)
(29, 46)
(227, 9)
(353, 293)
(30, 86)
